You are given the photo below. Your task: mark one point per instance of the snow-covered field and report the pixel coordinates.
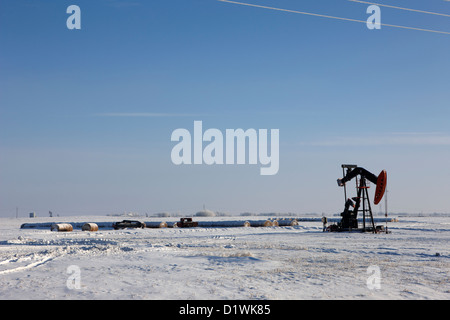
(294, 262)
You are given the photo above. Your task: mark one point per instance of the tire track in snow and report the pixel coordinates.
(25, 267)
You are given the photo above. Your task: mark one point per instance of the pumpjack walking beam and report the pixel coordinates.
(380, 180)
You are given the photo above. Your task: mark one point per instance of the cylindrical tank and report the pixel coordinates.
(154, 224)
(61, 227)
(89, 227)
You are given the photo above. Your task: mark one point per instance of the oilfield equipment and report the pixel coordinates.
(356, 209)
(182, 223)
(361, 203)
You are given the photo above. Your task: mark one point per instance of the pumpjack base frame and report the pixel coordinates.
(337, 228)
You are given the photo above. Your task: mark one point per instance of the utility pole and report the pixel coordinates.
(385, 203)
(386, 209)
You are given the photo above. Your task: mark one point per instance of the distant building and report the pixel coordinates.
(163, 215)
(205, 213)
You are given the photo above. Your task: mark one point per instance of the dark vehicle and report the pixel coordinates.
(187, 223)
(128, 224)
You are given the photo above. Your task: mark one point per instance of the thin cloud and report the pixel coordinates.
(389, 139)
(145, 114)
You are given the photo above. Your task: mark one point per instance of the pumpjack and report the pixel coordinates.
(361, 203)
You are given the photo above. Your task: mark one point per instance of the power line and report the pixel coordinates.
(292, 11)
(332, 17)
(401, 8)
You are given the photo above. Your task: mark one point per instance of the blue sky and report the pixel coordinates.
(337, 91)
